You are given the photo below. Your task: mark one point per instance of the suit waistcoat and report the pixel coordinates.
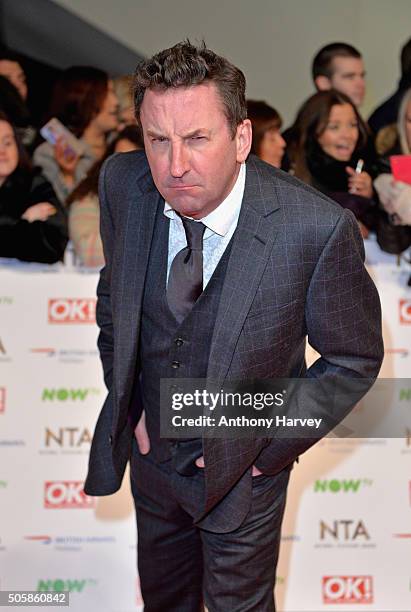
(169, 349)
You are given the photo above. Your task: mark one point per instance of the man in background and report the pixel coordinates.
(340, 66)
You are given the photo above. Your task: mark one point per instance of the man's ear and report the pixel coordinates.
(243, 138)
(322, 83)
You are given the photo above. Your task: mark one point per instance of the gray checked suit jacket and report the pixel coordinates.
(295, 269)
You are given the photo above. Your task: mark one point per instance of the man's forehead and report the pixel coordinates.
(342, 64)
(186, 105)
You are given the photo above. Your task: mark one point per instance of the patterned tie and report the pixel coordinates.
(185, 280)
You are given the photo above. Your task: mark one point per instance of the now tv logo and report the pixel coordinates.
(66, 494)
(64, 395)
(347, 589)
(72, 310)
(337, 486)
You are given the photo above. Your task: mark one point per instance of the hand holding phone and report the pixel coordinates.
(65, 157)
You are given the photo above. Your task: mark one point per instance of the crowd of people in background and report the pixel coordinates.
(49, 190)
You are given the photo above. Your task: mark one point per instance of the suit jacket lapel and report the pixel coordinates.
(253, 241)
(257, 229)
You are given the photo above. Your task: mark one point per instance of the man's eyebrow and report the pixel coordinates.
(197, 132)
(351, 74)
(154, 134)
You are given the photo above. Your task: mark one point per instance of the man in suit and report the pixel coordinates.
(217, 267)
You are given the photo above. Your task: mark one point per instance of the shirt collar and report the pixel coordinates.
(222, 218)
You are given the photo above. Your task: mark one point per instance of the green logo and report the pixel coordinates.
(62, 395)
(336, 486)
(405, 395)
(58, 585)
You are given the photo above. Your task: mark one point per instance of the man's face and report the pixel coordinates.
(194, 159)
(349, 77)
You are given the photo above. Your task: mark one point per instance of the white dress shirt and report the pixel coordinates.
(220, 225)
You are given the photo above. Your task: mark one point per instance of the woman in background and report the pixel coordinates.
(329, 141)
(329, 152)
(85, 102)
(267, 142)
(33, 224)
(395, 196)
(84, 208)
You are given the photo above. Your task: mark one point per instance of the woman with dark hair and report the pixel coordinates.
(328, 152)
(33, 224)
(85, 102)
(84, 208)
(267, 143)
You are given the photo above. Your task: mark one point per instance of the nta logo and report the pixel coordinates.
(336, 486)
(72, 437)
(62, 395)
(343, 530)
(66, 494)
(347, 589)
(405, 312)
(72, 310)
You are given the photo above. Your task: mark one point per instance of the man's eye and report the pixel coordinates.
(197, 137)
(159, 139)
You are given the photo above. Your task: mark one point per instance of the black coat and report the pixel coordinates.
(40, 241)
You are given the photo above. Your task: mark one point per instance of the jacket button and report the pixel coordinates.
(179, 342)
(110, 439)
(175, 364)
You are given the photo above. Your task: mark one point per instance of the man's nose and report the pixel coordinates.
(179, 162)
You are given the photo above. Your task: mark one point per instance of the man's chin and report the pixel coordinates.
(187, 206)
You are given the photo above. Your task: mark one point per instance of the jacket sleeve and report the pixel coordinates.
(343, 318)
(103, 310)
(39, 241)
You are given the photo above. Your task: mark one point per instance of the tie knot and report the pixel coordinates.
(194, 233)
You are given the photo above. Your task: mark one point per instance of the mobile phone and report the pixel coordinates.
(55, 130)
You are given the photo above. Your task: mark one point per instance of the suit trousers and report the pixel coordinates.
(181, 566)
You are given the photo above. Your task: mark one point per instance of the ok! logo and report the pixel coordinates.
(72, 310)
